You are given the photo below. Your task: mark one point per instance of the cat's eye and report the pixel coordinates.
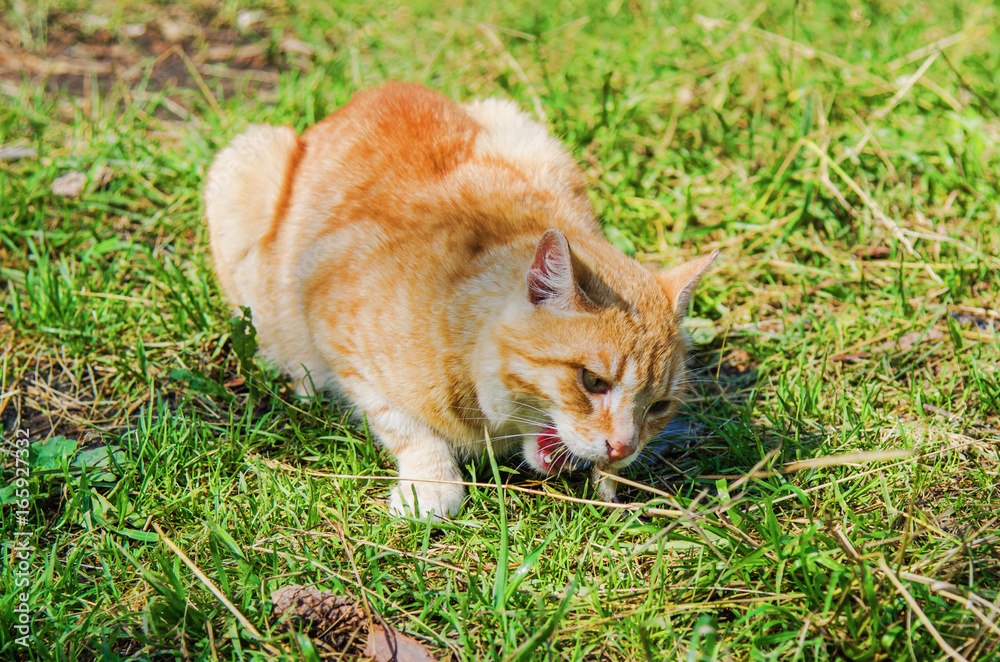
(593, 383)
(658, 407)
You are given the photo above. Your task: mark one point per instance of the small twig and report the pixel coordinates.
(741, 29)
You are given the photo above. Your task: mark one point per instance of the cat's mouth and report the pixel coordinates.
(553, 455)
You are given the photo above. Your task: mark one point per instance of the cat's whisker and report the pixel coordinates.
(516, 403)
(528, 421)
(522, 465)
(531, 421)
(509, 418)
(695, 380)
(509, 436)
(483, 440)
(521, 404)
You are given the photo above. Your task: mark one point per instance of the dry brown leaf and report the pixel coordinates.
(850, 358)
(876, 252)
(389, 645)
(246, 18)
(72, 183)
(173, 31)
(69, 185)
(292, 45)
(908, 340)
(15, 153)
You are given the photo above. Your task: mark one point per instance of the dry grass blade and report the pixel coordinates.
(203, 578)
(864, 457)
(967, 599)
(872, 206)
(949, 651)
(803, 50)
(490, 32)
(883, 112)
(924, 51)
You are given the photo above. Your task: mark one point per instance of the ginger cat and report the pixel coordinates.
(440, 267)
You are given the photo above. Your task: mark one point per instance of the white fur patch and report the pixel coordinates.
(509, 134)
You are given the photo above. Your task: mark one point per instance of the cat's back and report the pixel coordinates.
(407, 159)
(383, 138)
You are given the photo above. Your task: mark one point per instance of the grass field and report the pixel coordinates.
(831, 491)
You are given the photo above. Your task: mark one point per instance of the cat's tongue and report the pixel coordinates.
(548, 454)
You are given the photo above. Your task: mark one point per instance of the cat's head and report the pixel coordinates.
(595, 355)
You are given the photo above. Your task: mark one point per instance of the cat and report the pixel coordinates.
(440, 267)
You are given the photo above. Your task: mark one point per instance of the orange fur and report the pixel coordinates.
(440, 266)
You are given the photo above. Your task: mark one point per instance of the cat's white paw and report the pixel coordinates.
(438, 500)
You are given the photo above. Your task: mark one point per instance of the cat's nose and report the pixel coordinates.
(618, 449)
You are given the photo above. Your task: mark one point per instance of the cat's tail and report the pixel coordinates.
(246, 190)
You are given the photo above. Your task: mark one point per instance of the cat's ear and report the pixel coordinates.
(550, 276)
(681, 281)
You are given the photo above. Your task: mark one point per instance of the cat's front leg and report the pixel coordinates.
(429, 477)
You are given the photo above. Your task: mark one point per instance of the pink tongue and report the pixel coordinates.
(548, 441)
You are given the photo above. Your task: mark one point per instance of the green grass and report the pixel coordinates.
(853, 309)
